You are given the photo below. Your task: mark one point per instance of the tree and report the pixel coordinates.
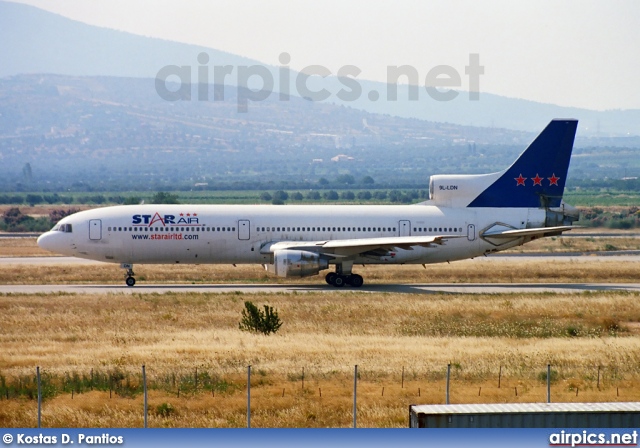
(347, 179)
(331, 195)
(266, 196)
(33, 199)
(368, 180)
(58, 213)
(162, 197)
(132, 200)
(257, 321)
(323, 182)
(348, 195)
(281, 195)
(365, 195)
(13, 217)
(380, 195)
(297, 196)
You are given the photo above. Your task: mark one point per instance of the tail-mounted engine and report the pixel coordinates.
(565, 215)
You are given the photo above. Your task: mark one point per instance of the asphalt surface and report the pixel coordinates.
(411, 288)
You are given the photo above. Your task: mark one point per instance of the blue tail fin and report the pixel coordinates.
(537, 177)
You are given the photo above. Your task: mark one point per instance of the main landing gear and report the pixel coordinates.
(343, 276)
(129, 275)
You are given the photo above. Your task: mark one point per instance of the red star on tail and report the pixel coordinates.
(520, 180)
(537, 180)
(553, 180)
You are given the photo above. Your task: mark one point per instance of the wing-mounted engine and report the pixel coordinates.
(296, 263)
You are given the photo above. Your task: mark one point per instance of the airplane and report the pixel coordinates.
(466, 216)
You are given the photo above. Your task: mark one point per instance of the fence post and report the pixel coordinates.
(355, 392)
(248, 396)
(499, 377)
(39, 396)
(144, 388)
(548, 383)
(448, 378)
(402, 377)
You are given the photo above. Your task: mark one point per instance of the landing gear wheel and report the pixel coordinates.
(330, 277)
(356, 280)
(129, 275)
(339, 281)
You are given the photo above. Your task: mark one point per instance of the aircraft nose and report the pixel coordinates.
(50, 241)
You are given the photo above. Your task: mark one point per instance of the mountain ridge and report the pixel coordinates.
(68, 47)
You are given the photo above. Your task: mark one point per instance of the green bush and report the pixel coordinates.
(255, 320)
(165, 410)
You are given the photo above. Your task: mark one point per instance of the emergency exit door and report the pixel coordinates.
(405, 228)
(243, 229)
(95, 229)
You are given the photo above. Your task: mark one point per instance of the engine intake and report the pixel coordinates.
(296, 263)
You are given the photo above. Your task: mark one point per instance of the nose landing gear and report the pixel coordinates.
(129, 275)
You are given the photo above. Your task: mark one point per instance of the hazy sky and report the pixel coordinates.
(571, 53)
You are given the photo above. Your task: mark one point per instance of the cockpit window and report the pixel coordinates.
(66, 228)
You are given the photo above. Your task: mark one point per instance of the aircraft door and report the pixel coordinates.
(405, 228)
(243, 229)
(95, 229)
(471, 232)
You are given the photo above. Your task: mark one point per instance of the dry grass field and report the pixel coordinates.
(591, 341)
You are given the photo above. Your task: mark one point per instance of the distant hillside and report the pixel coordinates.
(60, 133)
(105, 130)
(35, 41)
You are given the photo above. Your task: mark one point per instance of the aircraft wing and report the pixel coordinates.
(350, 247)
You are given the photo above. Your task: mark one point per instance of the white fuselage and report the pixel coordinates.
(200, 234)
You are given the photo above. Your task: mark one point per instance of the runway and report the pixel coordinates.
(408, 288)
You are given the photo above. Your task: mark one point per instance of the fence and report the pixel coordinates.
(203, 398)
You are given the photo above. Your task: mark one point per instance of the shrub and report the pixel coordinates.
(165, 410)
(255, 320)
